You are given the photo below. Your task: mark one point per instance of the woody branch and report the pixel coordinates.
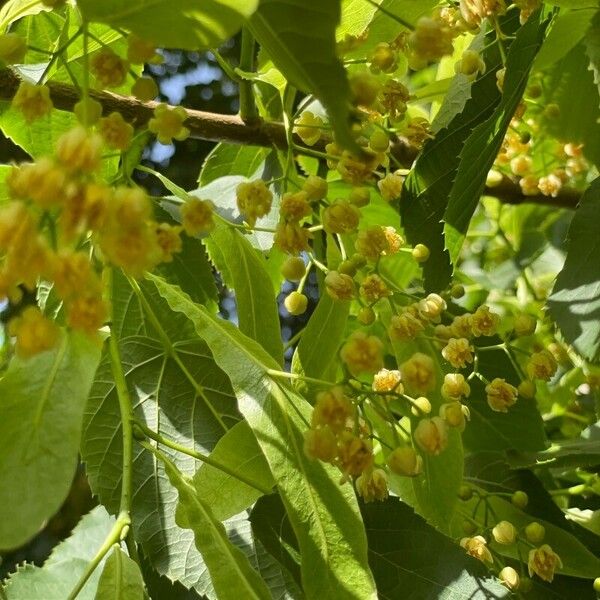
(216, 127)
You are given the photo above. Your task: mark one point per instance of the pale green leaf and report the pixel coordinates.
(300, 39)
(66, 564)
(226, 495)
(244, 270)
(575, 301)
(121, 578)
(482, 146)
(42, 401)
(231, 159)
(567, 30)
(192, 26)
(17, 9)
(324, 514)
(231, 573)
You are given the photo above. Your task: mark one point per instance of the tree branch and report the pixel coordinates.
(216, 127)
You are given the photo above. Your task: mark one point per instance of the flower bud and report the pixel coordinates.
(340, 217)
(432, 307)
(384, 59)
(315, 188)
(470, 64)
(333, 409)
(296, 303)
(541, 365)
(431, 435)
(88, 111)
(421, 253)
(465, 492)
(362, 353)
(526, 389)
(372, 485)
(420, 406)
(418, 373)
(524, 324)
(390, 187)
(79, 150)
(455, 414)
(366, 315)
(321, 444)
(144, 89)
(504, 533)
(455, 387)
(379, 141)
(293, 269)
(339, 286)
(457, 291)
(520, 499)
(535, 532)
(510, 578)
(360, 196)
(596, 585)
(405, 461)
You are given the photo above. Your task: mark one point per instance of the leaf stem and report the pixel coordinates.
(248, 110)
(116, 534)
(157, 437)
(286, 375)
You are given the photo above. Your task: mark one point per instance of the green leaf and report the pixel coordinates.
(570, 85)
(324, 515)
(411, 560)
(521, 428)
(37, 138)
(592, 47)
(300, 39)
(240, 452)
(193, 26)
(244, 270)
(230, 570)
(4, 195)
(17, 9)
(575, 301)
(66, 564)
(173, 391)
(43, 399)
(231, 159)
(568, 28)
(320, 340)
(121, 578)
(482, 146)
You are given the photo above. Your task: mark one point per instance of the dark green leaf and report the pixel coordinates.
(121, 578)
(575, 301)
(413, 561)
(43, 400)
(193, 26)
(428, 186)
(300, 39)
(482, 146)
(324, 514)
